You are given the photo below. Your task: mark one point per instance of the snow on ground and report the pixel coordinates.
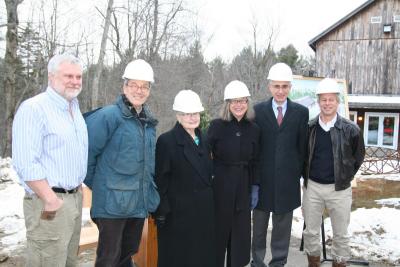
(375, 235)
(392, 177)
(395, 202)
(12, 226)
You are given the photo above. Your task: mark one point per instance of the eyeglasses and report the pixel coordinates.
(136, 87)
(238, 101)
(194, 114)
(283, 87)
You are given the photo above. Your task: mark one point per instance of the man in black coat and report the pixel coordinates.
(283, 125)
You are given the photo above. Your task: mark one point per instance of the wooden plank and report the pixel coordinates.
(147, 254)
(89, 237)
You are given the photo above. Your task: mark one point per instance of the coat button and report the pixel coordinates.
(238, 134)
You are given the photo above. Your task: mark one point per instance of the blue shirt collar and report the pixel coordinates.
(275, 105)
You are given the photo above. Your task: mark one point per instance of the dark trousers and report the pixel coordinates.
(280, 238)
(119, 240)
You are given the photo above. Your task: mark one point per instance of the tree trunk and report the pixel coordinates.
(10, 68)
(155, 32)
(99, 66)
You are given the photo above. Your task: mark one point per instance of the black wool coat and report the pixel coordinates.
(234, 147)
(184, 181)
(282, 155)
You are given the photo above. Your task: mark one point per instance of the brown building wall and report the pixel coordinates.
(361, 53)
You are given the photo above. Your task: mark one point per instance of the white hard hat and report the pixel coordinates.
(187, 101)
(326, 86)
(280, 72)
(139, 70)
(236, 89)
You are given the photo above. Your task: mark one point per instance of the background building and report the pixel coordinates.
(364, 49)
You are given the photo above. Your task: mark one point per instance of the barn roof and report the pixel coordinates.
(313, 42)
(374, 101)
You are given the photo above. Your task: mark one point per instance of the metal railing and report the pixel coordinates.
(380, 160)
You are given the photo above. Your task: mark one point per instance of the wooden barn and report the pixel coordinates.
(364, 49)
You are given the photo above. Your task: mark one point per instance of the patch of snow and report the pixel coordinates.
(12, 224)
(374, 234)
(395, 202)
(392, 176)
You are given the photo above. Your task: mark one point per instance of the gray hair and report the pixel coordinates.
(337, 98)
(226, 114)
(56, 60)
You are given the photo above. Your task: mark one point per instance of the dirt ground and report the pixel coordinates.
(17, 259)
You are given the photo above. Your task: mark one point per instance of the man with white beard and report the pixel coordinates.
(49, 151)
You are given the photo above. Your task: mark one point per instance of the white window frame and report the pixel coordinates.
(381, 116)
(376, 20)
(352, 112)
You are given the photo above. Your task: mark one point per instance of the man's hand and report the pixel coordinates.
(53, 204)
(50, 208)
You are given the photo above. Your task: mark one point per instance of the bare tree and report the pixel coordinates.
(262, 58)
(145, 27)
(10, 69)
(99, 66)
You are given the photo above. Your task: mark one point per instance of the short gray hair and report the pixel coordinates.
(226, 114)
(56, 60)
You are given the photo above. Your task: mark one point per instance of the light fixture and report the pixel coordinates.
(387, 28)
(360, 118)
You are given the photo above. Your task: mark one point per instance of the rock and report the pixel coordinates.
(3, 257)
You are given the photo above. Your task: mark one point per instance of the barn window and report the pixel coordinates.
(381, 129)
(377, 19)
(396, 18)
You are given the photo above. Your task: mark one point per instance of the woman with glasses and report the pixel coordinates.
(234, 142)
(185, 217)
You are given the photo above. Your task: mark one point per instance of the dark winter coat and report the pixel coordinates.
(283, 150)
(183, 177)
(348, 150)
(234, 147)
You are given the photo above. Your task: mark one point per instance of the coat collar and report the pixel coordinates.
(338, 123)
(126, 112)
(192, 153)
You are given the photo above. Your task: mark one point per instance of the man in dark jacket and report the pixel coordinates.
(283, 125)
(336, 151)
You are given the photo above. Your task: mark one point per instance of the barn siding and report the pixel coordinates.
(361, 53)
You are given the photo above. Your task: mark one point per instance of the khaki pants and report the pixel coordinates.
(316, 198)
(53, 243)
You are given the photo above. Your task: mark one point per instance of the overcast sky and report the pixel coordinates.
(227, 23)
